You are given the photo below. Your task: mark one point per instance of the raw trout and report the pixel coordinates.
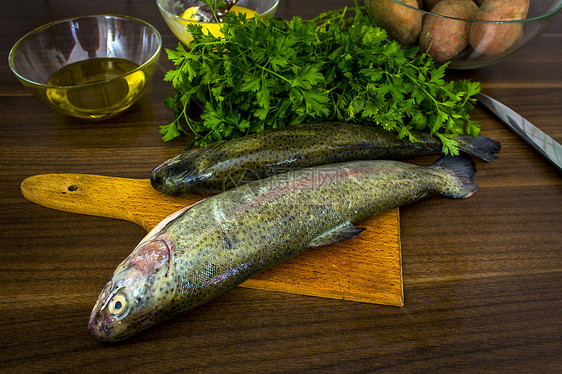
(223, 165)
(206, 249)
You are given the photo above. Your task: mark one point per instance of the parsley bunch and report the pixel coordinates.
(332, 68)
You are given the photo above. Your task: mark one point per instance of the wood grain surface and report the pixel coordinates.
(482, 276)
(366, 268)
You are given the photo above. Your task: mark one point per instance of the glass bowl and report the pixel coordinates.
(91, 67)
(470, 38)
(172, 10)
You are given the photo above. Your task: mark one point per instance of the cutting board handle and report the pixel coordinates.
(132, 200)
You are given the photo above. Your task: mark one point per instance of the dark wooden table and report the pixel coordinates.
(482, 276)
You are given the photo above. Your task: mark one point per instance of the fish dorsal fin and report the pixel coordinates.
(342, 232)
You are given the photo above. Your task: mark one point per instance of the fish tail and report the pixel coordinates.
(460, 170)
(479, 146)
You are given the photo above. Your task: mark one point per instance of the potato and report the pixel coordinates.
(495, 38)
(444, 38)
(400, 22)
(429, 4)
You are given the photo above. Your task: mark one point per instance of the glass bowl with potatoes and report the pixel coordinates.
(466, 34)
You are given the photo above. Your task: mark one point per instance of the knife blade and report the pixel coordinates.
(541, 142)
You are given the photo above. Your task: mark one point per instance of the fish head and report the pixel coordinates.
(181, 170)
(139, 293)
(164, 177)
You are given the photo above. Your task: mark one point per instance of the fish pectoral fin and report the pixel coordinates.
(342, 232)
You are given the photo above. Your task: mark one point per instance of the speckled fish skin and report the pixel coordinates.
(223, 165)
(204, 250)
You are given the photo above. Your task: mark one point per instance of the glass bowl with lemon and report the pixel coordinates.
(90, 67)
(179, 13)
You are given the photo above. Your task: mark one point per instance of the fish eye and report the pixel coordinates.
(117, 305)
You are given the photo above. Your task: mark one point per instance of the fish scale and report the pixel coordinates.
(204, 250)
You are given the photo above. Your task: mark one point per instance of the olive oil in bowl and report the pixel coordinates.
(97, 88)
(91, 67)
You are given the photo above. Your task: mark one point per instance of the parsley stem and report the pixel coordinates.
(276, 74)
(205, 44)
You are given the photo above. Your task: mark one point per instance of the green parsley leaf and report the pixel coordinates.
(335, 67)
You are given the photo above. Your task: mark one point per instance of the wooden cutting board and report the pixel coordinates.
(366, 268)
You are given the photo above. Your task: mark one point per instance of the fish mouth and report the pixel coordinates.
(97, 328)
(106, 336)
(171, 185)
(156, 180)
(105, 329)
(157, 177)
(98, 324)
(161, 181)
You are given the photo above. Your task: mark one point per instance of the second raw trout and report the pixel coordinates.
(223, 165)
